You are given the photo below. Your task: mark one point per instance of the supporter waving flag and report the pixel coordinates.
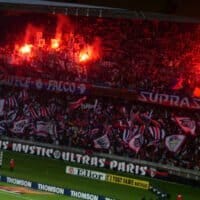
(157, 133)
(136, 142)
(52, 127)
(41, 128)
(23, 95)
(11, 102)
(2, 103)
(3, 127)
(33, 113)
(102, 142)
(11, 115)
(178, 84)
(44, 111)
(52, 109)
(128, 133)
(186, 124)
(174, 142)
(20, 126)
(76, 104)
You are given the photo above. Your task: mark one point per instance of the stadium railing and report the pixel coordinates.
(187, 174)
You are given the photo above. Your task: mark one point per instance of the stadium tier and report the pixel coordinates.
(156, 56)
(115, 126)
(127, 89)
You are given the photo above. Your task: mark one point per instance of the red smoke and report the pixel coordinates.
(64, 38)
(63, 26)
(31, 32)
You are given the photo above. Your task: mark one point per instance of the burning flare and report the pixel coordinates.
(91, 52)
(26, 49)
(55, 43)
(84, 57)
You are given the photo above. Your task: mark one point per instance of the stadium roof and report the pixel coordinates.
(51, 3)
(86, 10)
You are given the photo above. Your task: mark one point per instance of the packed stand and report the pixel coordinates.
(114, 126)
(156, 56)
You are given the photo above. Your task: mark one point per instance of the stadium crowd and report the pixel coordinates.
(156, 56)
(115, 126)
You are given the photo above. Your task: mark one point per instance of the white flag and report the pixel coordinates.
(102, 142)
(136, 142)
(19, 126)
(174, 142)
(42, 128)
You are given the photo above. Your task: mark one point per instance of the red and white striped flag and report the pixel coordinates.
(44, 111)
(156, 132)
(11, 102)
(33, 113)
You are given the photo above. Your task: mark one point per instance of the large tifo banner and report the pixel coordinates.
(41, 84)
(53, 189)
(111, 178)
(79, 158)
(169, 100)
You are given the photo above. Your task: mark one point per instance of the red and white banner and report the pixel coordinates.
(82, 88)
(169, 100)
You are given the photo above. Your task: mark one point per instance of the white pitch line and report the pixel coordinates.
(16, 195)
(9, 191)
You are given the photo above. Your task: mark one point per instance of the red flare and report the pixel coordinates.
(55, 43)
(84, 57)
(26, 49)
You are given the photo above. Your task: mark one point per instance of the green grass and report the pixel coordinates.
(4, 195)
(49, 171)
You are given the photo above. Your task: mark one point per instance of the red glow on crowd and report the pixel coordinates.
(196, 92)
(35, 42)
(26, 49)
(90, 52)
